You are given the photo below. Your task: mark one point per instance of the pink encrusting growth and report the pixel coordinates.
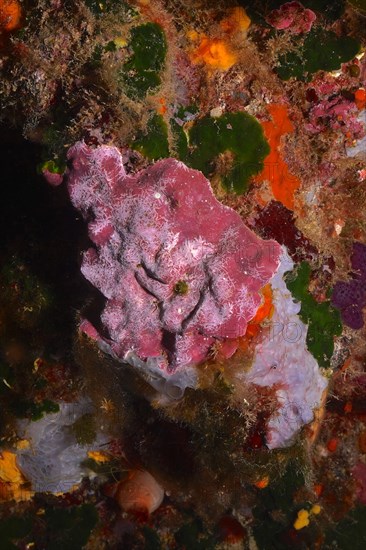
(292, 17)
(179, 270)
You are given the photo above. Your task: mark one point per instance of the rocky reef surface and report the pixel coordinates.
(182, 336)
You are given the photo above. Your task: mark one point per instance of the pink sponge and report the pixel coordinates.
(179, 270)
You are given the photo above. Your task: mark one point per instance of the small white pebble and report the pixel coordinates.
(216, 112)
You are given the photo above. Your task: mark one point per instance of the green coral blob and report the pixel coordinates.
(46, 406)
(321, 50)
(323, 321)
(238, 134)
(32, 410)
(154, 144)
(55, 166)
(141, 72)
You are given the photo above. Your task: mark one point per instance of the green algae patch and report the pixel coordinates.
(234, 141)
(238, 138)
(181, 288)
(45, 407)
(54, 166)
(33, 410)
(85, 429)
(14, 528)
(141, 72)
(323, 321)
(183, 115)
(154, 143)
(330, 10)
(70, 527)
(322, 50)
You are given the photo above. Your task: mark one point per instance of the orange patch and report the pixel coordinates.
(237, 21)
(10, 15)
(11, 479)
(283, 183)
(318, 489)
(265, 311)
(360, 98)
(346, 364)
(98, 456)
(332, 445)
(214, 53)
(262, 483)
(163, 108)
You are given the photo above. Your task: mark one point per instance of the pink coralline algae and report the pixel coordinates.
(292, 17)
(52, 178)
(337, 113)
(179, 270)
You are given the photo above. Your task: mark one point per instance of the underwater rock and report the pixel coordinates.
(179, 270)
(282, 361)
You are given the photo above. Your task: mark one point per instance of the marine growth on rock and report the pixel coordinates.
(350, 296)
(179, 271)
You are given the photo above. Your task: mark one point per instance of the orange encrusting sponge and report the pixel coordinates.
(213, 52)
(283, 183)
(10, 15)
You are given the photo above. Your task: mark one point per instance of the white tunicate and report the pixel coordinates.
(283, 360)
(52, 463)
